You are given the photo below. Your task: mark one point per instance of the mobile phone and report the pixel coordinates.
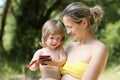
(44, 58)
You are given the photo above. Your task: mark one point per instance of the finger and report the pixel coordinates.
(47, 62)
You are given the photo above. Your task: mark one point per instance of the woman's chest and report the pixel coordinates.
(79, 53)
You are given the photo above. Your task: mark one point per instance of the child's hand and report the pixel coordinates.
(34, 62)
(51, 63)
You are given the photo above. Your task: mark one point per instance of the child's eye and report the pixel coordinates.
(51, 37)
(59, 39)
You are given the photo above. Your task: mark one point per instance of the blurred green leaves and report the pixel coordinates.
(25, 19)
(112, 40)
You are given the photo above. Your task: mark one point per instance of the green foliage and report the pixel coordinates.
(28, 15)
(112, 40)
(23, 30)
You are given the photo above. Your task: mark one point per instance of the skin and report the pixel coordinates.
(57, 55)
(88, 49)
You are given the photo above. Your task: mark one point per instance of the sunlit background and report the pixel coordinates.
(20, 32)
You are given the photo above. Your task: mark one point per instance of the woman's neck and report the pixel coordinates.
(88, 38)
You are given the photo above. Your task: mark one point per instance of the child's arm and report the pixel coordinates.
(61, 61)
(34, 64)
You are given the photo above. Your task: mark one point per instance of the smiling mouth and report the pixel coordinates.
(53, 44)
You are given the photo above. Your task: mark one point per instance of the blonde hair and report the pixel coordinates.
(52, 27)
(77, 10)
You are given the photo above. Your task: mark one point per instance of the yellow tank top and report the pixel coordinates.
(76, 69)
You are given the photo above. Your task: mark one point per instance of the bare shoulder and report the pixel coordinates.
(98, 61)
(100, 51)
(101, 48)
(36, 54)
(39, 51)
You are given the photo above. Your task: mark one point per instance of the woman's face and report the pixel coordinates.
(74, 29)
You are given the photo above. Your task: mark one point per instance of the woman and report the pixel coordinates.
(87, 56)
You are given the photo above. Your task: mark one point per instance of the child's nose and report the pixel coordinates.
(55, 40)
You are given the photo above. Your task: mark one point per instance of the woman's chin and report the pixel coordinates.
(74, 38)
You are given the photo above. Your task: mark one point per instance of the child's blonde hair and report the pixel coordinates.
(52, 27)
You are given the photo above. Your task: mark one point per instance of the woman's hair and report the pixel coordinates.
(52, 27)
(77, 10)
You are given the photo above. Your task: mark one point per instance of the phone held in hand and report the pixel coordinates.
(44, 58)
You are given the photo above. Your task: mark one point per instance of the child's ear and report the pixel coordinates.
(84, 22)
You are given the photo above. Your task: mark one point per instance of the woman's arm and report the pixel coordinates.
(96, 64)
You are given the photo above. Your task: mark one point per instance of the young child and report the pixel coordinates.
(53, 37)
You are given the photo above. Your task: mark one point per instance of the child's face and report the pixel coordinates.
(53, 41)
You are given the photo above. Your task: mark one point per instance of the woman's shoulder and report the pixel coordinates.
(100, 44)
(100, 47)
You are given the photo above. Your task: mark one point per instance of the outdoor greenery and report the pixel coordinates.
(20, 32)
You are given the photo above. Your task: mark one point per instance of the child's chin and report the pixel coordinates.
(54, 48)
